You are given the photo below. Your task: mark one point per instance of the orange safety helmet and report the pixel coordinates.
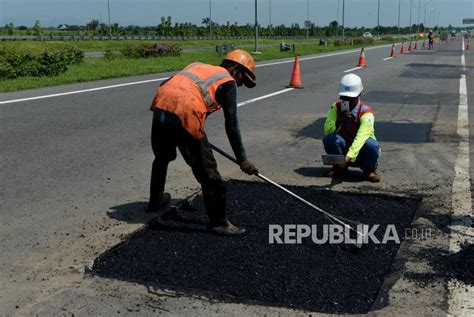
(245, 60)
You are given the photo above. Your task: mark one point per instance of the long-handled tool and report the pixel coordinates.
(326, 214)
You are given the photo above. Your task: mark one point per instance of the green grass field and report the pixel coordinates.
(94, 46)
(101, 68)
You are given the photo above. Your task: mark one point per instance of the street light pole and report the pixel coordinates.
(424, 18)
(419, 16)
(429, 21)
(399, 10)
(108, 10)
(256, 29)
(307, 19)
(411, 10)
(210, 17)
(270, 15)
(378, 21)
(337, 17)
(343, 16)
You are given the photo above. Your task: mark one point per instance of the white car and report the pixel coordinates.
(367, 35)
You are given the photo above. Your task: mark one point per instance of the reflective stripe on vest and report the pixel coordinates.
(203, 86)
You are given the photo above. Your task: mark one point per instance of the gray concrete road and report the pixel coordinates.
(75, 173)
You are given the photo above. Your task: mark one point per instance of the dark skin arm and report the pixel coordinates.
(226, 96)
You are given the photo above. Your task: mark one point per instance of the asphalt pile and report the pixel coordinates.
(179, 254)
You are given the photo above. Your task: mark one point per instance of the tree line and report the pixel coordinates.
(167, 28)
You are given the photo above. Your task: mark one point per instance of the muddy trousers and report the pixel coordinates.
(165, 138)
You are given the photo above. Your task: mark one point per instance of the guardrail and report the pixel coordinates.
(153, 37)
(133, 37)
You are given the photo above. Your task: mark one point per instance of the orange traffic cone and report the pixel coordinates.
(402, 49)
(416, 45)
(362, 62)
(295, 81)
(392, 52)
(424, 44)
(468, 45)
(409, 48)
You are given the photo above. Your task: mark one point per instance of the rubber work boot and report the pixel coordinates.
(372, 177)
(162, 202)
(336, 171)
(227, 229)
(158, 198)
(215, 202)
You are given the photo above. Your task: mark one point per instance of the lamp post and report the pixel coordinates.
(256, 29)
(378, 21)
(430, 18)
(343, 16)
(307, 23)
(411, 10)
(337, 17)
(110, 25)
(270, 17)
(419, 16)
(399, 9)
(424, 18)
(210, 17)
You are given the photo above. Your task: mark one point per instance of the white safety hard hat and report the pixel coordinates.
(351, 86)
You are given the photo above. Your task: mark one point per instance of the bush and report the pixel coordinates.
(356, 41)
(363, 40)
(155, 50)
(342, 42)
(109, 54)
(15, 64)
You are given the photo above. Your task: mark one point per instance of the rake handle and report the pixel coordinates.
(267, 180)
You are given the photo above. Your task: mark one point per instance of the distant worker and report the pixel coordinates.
(349, 130)
(431, 37)
(180, 108)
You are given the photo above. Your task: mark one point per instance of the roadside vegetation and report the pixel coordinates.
(136, 60)
(26, 64)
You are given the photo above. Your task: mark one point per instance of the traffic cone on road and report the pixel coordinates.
(362, 62)
(468, 45)
(402, 49)
(424, 44)
(295, 81)
(392, 52)
(416, 45)
(409, 48)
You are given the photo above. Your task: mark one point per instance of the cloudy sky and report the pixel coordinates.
(148, 12)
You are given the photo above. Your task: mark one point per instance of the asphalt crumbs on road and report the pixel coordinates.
(180, 255)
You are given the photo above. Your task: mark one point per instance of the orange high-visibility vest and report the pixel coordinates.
(348, 128)
(191, 95)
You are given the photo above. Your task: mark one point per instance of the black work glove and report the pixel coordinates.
(248, 168)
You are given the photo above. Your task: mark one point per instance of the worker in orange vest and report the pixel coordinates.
(180, 108)
(431, 37)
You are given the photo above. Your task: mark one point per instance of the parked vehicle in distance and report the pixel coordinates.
(367, 35)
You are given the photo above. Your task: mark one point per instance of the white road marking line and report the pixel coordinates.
(310, 58)
(243, 103)
(355, 68)
(82, 91)
(461, 296)
(386, 59)
(160, 79)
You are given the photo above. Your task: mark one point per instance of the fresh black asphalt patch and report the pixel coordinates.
(181, 255)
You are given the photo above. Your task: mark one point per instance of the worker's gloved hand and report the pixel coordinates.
(248, 168)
